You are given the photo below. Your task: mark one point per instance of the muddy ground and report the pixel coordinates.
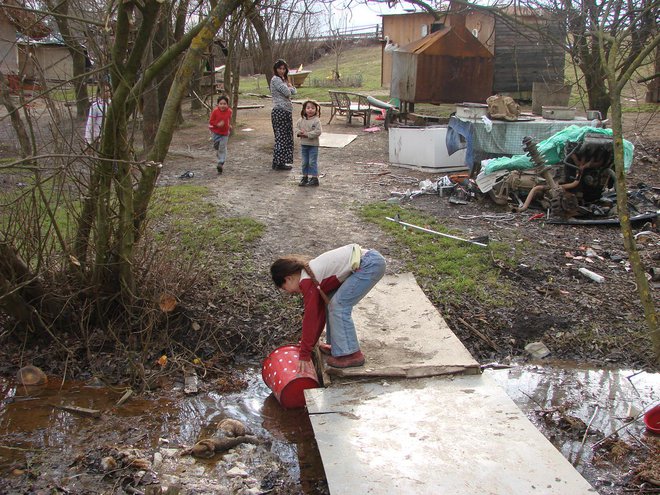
(575, 317)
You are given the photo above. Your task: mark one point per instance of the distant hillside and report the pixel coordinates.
(359, 68)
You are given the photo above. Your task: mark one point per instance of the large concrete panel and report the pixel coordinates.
(454, 435)
(402, 334)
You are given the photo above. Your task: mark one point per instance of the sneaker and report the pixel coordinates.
(349, 361)
(304, 181)
(314, 181)
(325, 349)
(219, 167)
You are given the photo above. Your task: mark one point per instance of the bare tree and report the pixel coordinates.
(117, 190)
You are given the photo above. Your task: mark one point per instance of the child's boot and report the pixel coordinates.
(219, 167)
(314, 181)
(304, 181)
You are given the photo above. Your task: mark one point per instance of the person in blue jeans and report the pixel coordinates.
(331, 285)
(308, 129)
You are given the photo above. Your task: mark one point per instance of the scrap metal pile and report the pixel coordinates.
(570, 175)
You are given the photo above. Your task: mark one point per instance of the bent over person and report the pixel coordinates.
(331, 285)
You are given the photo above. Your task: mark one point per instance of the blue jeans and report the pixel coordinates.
(340, 328)
(310, 155)
(222, 147)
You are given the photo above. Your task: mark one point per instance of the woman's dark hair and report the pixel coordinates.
(222, 97)
(318, 109)
(289, 265)
(279, 63)
(286, 266)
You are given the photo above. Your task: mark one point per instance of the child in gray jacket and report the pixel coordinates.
(308, 129)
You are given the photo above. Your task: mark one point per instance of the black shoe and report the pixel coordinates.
(304, 181)
(283, 167)
(314, 181)
(219, 167)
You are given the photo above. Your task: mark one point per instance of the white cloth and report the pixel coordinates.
(95, 118)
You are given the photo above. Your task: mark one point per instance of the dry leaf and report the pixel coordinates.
(162, 360)
(167, 303)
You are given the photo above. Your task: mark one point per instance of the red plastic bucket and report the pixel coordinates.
(280, 373)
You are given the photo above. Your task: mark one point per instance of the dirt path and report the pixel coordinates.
(299, 219)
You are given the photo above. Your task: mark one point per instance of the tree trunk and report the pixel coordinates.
(166, 128)
(626, 229)
(14, 115)
(22, 295)
(77, 52)
(264, 40)
(653, 92)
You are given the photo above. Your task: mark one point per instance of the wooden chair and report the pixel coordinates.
(350, 105)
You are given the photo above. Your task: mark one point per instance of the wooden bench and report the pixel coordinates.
(350, 105)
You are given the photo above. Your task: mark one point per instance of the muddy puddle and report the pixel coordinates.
(565, 402)
(35, 431)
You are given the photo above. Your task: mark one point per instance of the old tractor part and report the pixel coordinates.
(545, 173)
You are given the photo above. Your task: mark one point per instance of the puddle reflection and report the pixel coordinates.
(603, 398)
(29, 423)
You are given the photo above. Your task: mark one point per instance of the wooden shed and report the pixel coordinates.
(48, 58)
(449, 65)
(521, 56)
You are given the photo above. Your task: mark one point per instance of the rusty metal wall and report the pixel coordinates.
(520, 59)
(446, 79)
(404, 76)
(406, 28)
(441, 79)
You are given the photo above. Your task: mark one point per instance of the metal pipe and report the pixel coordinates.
(429, 231)
(530, 197)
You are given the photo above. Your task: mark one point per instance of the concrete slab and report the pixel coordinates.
(403, 335)
(458, 435)
(330, 140)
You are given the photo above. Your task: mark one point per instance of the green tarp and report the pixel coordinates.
(552, 150)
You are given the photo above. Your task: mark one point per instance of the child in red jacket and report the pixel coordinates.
(220, 125)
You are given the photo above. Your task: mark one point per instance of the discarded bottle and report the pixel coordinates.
(593, 276)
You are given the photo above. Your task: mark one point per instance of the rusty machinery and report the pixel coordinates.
(569, 189)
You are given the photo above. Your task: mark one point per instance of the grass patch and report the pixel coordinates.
(445, 268)
(197, 226)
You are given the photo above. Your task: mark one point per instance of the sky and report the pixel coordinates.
(363, 15)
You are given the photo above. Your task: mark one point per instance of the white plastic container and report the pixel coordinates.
(424, 148)
(472, 111)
